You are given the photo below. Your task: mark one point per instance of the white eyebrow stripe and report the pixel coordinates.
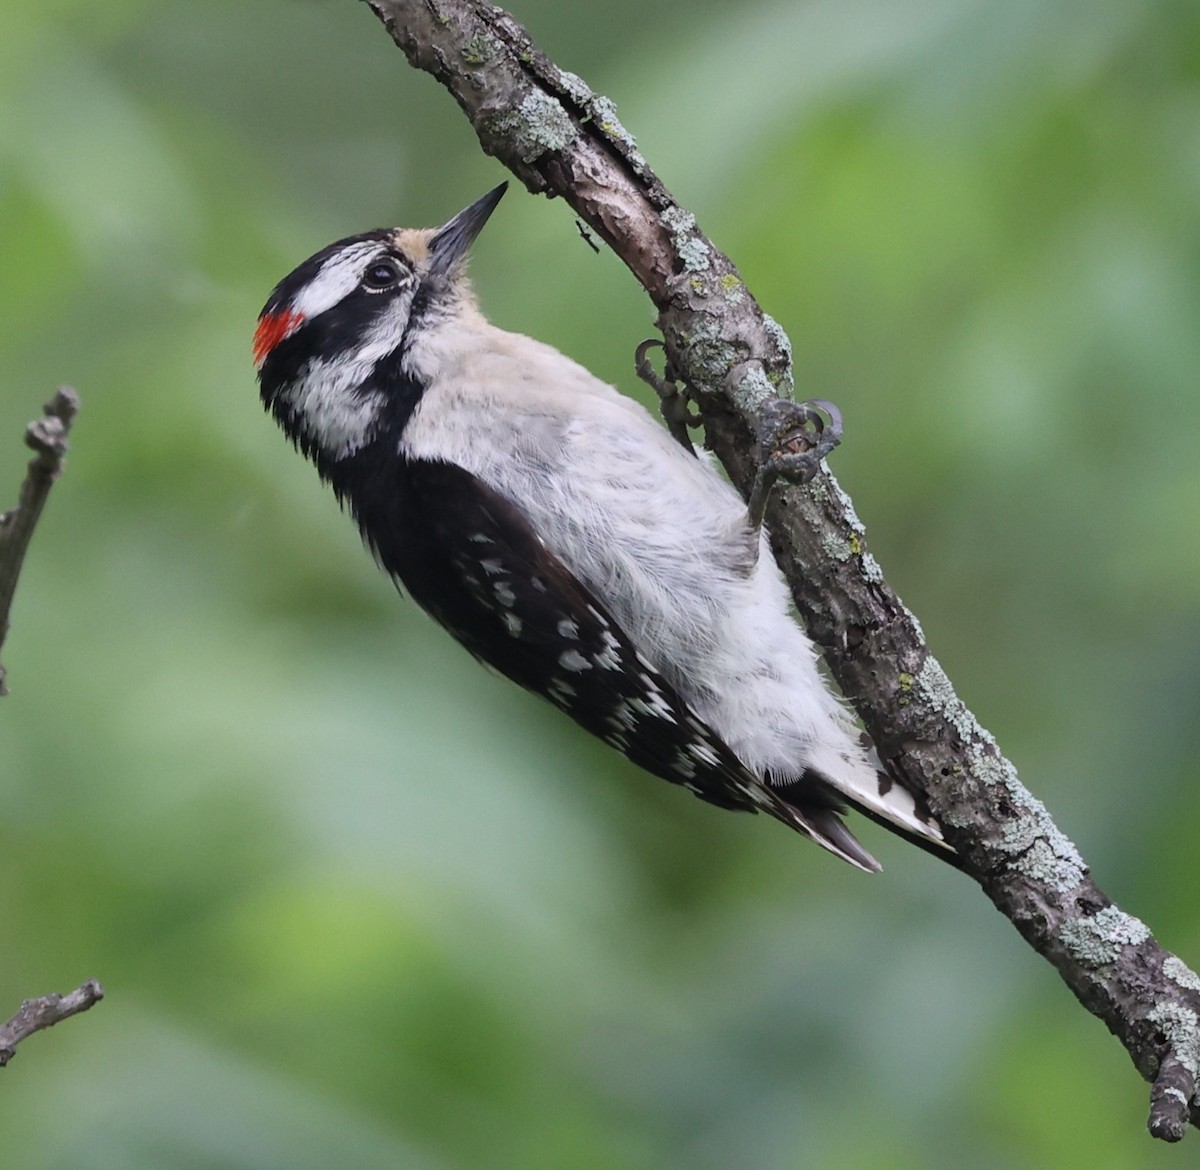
(338, 277)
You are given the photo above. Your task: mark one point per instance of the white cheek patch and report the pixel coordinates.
(328, 400)
(338, 278)
(331, 410)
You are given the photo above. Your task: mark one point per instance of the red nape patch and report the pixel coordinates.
(272, 329)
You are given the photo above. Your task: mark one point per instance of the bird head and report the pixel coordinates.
(331, 340)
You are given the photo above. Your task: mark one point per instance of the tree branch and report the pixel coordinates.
(48, 438)
(561, 139)
(45, 1012)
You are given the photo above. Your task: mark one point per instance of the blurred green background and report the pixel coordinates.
(358, 903)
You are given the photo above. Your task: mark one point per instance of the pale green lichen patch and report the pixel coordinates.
(871, 569)
(937, 690)
(732, 287)
(539, 126)
(709, 356)
(1051, 861)
(997, 772)
(1182, 1030)
(604, 111)
(482, 47)
(916, 625)
(847, 508)
(1180, 973)
(550, 127)
(751, 390)
(1098, 940)
(575, 87)
(837, 548)
(776, 333)
(1038, 847)
(693, 252)
(843, 548)
(1022, 835)
(678, 221)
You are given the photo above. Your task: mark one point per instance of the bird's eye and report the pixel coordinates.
(382, 274)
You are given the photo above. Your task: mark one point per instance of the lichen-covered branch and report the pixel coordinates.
(45, 1012)
(48, 438)
(562, 139)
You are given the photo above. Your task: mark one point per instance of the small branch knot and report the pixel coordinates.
(45, 1012)
(47, 437)
(1170, 1100)
(48, 434)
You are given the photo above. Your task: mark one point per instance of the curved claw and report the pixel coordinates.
(642, 365)
(673, 402)
(830, 432)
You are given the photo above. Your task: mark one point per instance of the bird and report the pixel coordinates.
(555, 529)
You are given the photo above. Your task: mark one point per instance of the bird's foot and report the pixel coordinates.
(672, 398)
(793, 438)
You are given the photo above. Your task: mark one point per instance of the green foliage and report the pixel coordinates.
(357, 903)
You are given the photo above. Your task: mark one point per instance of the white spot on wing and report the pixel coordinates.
(610, 657)
(574, 661)
(654, 703)
(657, 710)
(682, 766)
(624, 716)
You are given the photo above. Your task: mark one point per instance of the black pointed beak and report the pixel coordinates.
(451, 241)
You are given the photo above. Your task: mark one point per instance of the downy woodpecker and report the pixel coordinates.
(557, 530)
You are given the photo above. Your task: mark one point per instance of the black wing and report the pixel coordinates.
(477, 566)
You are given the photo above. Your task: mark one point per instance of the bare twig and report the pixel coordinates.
(48, 438)
(560, 138)
(45, 1012)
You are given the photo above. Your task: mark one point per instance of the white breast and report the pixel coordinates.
(655, 533)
